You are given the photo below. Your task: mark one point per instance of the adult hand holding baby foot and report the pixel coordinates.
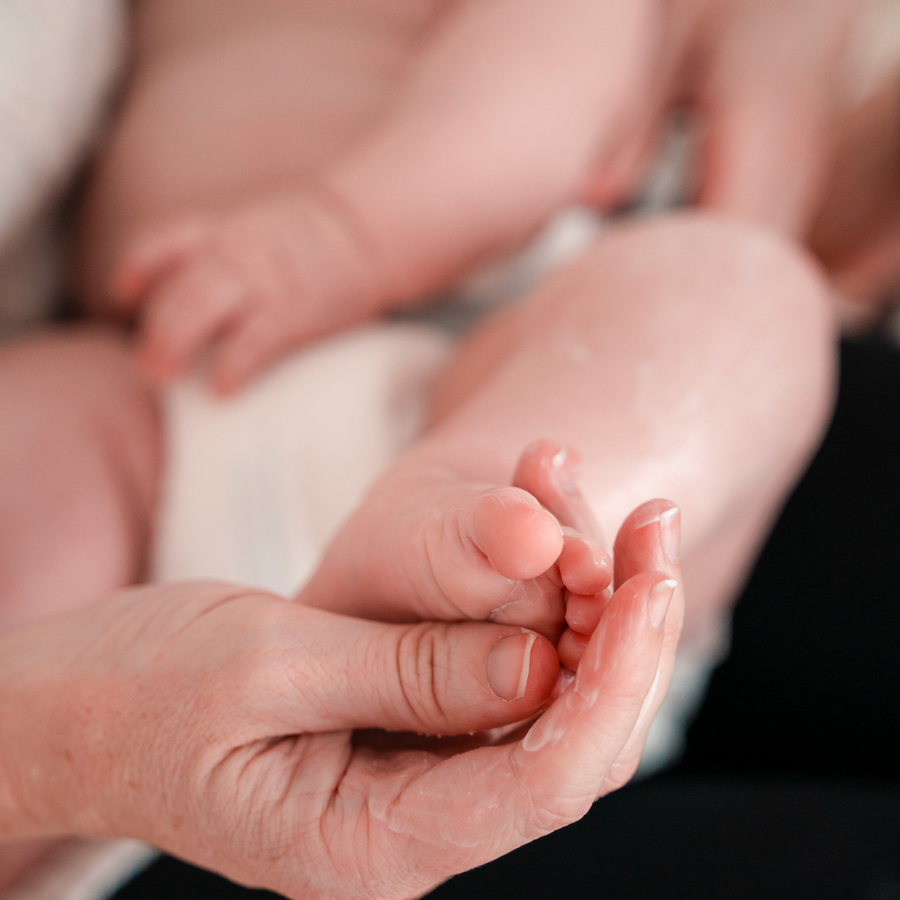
(427, 544)
(217, 723)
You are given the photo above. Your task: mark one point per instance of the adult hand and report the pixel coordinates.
(360, 574)
(217, 723)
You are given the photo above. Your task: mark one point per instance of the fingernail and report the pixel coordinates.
(659, 600)
(670, 533)
(508, 665)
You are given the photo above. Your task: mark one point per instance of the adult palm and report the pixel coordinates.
(221, 725)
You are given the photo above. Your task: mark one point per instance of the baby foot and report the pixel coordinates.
(646, 542)
(248, 286)
(427, 544)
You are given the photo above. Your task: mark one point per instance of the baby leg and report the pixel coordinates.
(80, 459)
(687, 357)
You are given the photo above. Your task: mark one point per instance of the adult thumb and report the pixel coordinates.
(429, 678)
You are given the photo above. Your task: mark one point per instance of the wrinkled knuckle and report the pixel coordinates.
(622, 771)
(423, 666)
(633, 694)
(546, 818)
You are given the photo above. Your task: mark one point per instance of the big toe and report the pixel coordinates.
(520, 539)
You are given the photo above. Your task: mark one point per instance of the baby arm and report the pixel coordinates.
(506, 108)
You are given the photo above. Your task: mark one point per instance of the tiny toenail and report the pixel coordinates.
(658, 602)
(559, 458)
(670, 534)
(508, 665)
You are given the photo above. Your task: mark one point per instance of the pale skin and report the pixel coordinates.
(182, 213)
(71, 762)
(690, 393)
(687, 375)
(217, 723)
(366, 153)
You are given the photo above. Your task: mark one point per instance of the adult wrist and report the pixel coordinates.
(15, 819)
(39, 788)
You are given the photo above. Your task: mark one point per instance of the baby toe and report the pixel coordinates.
(571, 648)
(584, 566)
(583, 611)
(520, 539)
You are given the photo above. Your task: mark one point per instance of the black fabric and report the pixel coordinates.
(789, 787)
(710, 838)
(812, 683)
(172, 879)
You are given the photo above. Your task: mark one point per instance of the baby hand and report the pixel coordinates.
(244, 287)
(503, 111)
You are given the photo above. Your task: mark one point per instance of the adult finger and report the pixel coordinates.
(333, 672)
(161, 680)
(625, 667)
(649, 540)
(513, 794)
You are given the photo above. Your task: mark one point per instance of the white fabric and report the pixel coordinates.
(84, 869)
(257, 485)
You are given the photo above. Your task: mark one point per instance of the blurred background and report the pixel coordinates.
(787, 785)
